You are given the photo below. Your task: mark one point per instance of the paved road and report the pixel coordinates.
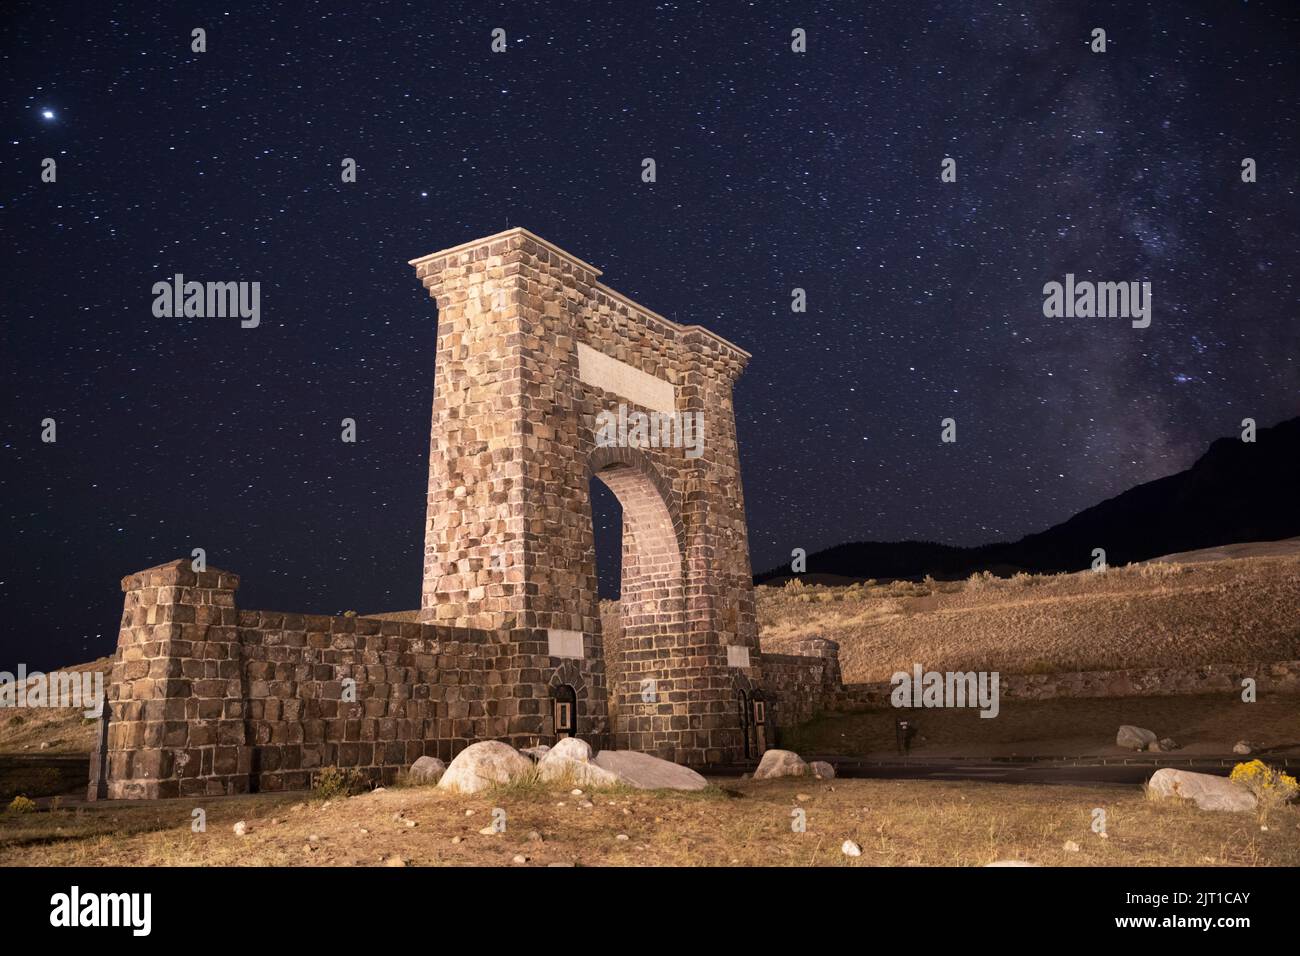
(1073, 770)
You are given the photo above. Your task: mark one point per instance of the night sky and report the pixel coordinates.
(775, 170)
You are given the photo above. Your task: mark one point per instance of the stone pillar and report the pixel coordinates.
(176, 696)
(531, 350)
(491, 477)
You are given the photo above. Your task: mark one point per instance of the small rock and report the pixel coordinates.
(520, 858)
(822, 770)
(455, 840)
(621, 836)
(394, 861)
(427, 770)
(1134, 738)
(534, 836)
(780, 763)
(801, 797)
(1243, 747)
(849, 848)
(241, 828)
(575, 792)
(489, 831)
(313, 838)
(1071, 847)
(410, 824)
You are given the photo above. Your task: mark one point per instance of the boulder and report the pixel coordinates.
(1244, 747)
(572, 748)
(482, 765)
(822, 770)
(1134, 738)
(780, 763)
(569, 762)
(1205, 790)
(645, 772)
(1165, 745)
(427, 770)
(556, 768)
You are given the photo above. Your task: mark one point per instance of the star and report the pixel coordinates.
(47, 114)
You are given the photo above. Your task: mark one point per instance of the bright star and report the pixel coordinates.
(48, 114)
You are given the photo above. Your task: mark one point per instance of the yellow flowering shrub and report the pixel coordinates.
(1271, 787)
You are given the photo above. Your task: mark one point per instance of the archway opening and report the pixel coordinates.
(645, 639)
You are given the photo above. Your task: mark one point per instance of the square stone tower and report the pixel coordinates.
(535, 360)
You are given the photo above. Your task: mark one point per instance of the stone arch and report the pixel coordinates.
(532, 351)
(644, 658)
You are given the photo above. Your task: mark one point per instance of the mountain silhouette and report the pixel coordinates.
(1237, 491)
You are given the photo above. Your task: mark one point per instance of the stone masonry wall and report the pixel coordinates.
(206, 698)
(805, 684)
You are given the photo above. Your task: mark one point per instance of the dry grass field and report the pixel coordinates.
(736, 823)
(51, 730)
(1157, 614)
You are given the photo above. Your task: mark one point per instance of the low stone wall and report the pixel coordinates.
(205, 698)
(803, 684)
(1279, 677)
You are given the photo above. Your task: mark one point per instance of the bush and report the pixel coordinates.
(16, 721)
(1272, 788)
(980, 581)
(333, 782)
(21, 804)
(1158, 569)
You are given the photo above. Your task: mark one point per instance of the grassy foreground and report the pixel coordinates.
(735, 823)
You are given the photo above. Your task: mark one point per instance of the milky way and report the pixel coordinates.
(776, 170)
